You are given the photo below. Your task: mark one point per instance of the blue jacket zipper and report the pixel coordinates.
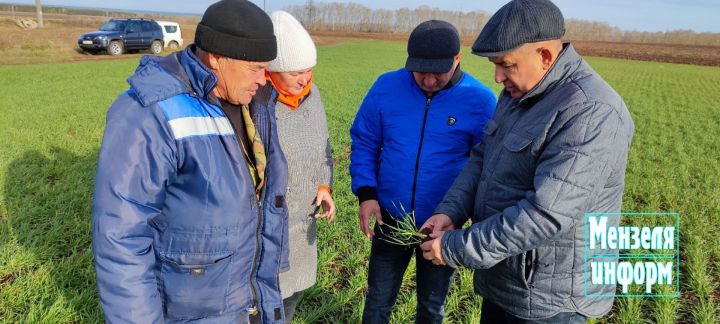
(417, 159)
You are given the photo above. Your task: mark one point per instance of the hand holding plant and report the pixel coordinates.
(405, 233)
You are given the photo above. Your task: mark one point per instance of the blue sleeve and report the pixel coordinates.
(136, 162)
(487, 105)
(367, 138)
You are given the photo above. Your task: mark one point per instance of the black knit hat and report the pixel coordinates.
(432, 47)
(237, 29)
(519, 22)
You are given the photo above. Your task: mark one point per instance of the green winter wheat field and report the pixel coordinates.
(52, 121)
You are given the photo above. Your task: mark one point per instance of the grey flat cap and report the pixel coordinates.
(519, 22)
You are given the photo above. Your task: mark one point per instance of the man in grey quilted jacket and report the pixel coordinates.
(556, 148)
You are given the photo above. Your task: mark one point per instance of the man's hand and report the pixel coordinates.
(367, 209)
(324, 200)
(432, 249)
(439, 223)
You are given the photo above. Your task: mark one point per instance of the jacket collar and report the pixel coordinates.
(567, 62)
(455, 79)
(266, 96)
(159, 78)
(203, 81)
(457, 75)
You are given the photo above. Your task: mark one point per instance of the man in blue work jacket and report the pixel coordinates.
(189, 215)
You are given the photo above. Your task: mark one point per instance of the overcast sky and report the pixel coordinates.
(646, 15)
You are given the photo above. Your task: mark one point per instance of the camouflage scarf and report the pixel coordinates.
(257, 171)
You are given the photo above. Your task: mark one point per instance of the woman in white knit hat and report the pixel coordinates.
(303, 134)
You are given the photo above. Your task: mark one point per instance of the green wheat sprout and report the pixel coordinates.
(405, 233)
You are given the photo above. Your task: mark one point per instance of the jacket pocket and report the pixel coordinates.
(490, 127)
(516, 143)
(195, 284)
(515, 166)
(528, 265)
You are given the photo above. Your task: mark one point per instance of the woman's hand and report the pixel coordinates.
(324, 200)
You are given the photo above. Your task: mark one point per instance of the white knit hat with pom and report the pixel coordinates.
(295, 48)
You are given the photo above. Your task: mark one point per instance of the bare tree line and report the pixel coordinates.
(353, 17)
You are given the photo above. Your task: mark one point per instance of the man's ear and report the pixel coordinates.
(547, 56)
(458, 56)
(213, 61)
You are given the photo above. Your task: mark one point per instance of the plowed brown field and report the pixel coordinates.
(57, 42)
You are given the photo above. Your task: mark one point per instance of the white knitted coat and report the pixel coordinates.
(303, 137)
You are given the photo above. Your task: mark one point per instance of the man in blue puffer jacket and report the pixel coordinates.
(189, 215)
(410, 139)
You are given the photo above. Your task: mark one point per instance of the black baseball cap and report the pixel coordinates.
(432, 47)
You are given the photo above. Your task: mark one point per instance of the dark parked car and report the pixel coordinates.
(119, 35)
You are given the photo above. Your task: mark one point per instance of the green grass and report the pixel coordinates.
(53, 119)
